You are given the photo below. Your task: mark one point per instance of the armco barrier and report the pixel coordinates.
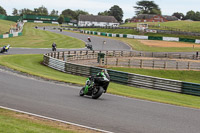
(130, 79)
(141, 37)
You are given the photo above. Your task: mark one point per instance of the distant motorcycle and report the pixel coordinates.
(53, 48)
(5, 49)
(89, 39)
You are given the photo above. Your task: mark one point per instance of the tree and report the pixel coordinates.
(61, 19)
(69, 13)
(2, 11)
(190, 15)
(25, 11)
(42, 11)
(197, 16)
(178, 15)
(147, 7)
(80, 12)
(15, 12)
(54, 13)
(117, 12)
(105, 13)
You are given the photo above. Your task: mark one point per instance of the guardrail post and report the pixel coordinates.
(58, 55)
(63, 56)
(54, 54)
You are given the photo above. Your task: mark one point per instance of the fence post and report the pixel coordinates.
(117, 61)
(54, 54)
(152, 54)
(176, 65)
(165, 65)
(141, 63)
(188, 65)
(153, 64)
(122, 53)
(106, 61)
(179, 56)
(129, 62)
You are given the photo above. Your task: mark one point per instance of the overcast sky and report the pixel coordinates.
(168, 7)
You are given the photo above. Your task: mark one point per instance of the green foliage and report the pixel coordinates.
(73, 14)
(61, 19)
(15, 12)
(105, 13)
(147, 7)
(54, 13)
(2, 11)
(117, 12)
(178, 15)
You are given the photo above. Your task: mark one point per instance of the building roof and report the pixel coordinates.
(145, 16)
(95, 18)
(170, 18)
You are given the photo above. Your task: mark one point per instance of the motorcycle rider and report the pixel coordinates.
(54, 46)
(90, 79)
(5, 48)
(89, 39)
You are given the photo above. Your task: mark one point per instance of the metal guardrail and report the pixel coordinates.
(130, 79)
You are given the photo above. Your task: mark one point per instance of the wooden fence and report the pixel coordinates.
(55, 61)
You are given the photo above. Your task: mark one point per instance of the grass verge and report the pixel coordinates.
(5, 26)
(13, 122)
(35, 38)
(31, 64)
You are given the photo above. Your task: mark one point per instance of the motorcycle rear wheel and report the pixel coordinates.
(97, 92)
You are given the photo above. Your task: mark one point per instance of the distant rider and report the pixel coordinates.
(54, 46)
(89, 39)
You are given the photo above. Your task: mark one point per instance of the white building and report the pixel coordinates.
(92, 20)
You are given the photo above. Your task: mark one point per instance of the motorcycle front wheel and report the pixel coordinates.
(81, 93)
(97, 92)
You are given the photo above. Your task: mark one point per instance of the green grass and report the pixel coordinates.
(11, 122)
(192, 26)
(187, 76)
(31, 64)
(134, 32)
(35, 38)
(137, 45)
(5, 26)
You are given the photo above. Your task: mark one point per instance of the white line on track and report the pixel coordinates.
(57, 120)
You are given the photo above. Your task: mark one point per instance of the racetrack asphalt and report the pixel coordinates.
(109, 112)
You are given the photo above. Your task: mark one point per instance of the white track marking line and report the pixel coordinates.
(57, 120)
